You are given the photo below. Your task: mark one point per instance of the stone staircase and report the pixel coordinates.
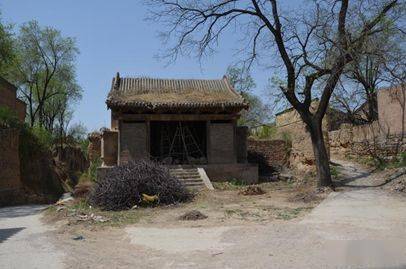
(193, 178)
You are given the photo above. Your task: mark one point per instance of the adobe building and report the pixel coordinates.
(8, 98)
(180, 123)
(392, 111)
(10, 179)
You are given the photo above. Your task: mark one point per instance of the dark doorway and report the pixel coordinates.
(178, 142)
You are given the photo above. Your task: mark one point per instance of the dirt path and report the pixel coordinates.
(25, 242)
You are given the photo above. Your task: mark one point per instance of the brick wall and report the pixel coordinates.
(241, 137)
(270, 155)
(109, 147)
(133, 141)
(222, 143)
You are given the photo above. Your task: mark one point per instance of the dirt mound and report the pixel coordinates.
(193, 215)
(305, 197)
(252, 190)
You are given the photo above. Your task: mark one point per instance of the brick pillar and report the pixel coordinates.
(109, 148)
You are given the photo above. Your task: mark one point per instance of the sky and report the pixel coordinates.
(113, 36)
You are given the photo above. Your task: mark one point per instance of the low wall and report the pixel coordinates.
(365, 140)
(270, 155)
(247, 172)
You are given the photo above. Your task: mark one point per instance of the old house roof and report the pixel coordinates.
(176, 95)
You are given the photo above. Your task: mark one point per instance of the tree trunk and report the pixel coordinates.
(320, 154)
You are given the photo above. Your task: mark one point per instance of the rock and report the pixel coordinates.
(285, 176)
(78, 237)
(65, 199)
(193, 215)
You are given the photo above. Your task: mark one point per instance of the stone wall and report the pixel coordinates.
(270, 155)
(9, 160)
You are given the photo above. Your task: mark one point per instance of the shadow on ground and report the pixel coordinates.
(9, 232)
(20, 211)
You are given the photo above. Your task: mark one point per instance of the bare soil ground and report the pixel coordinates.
(225, 205)
(290, 226)
(162, 230)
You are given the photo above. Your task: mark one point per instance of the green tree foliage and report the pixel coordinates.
(242, 81)
(7, 53)
(46, 76)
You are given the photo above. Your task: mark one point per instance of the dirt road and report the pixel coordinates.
(25, 242)
(360, 227)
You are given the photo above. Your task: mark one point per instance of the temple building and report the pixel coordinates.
(179, 123)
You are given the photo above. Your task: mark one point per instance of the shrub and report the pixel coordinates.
(91, 172)
(8, 118)
(123, 186)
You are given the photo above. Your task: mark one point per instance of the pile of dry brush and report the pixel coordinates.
(123, 186)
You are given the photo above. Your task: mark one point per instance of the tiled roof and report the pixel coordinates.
(152, 94)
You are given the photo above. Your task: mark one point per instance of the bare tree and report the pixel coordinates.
(313, 47)
(369, 71)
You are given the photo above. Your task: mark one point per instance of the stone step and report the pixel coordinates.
(187, 176)
(184, 172)
(187, 180)
(190, 177)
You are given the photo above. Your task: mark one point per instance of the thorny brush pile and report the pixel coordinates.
(136, 183)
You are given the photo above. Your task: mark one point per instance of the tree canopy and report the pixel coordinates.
(242, 81)
(44, 72)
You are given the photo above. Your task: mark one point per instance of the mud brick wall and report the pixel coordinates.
(9, 160)
(366, 139)
(291, 127)
(270, 155)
